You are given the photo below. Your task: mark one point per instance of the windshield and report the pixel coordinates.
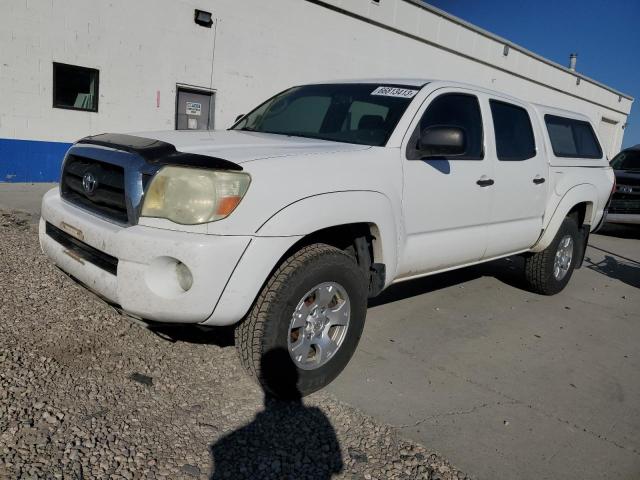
(629, 160)
(365, 114)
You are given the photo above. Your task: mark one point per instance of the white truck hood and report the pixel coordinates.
(240, 146)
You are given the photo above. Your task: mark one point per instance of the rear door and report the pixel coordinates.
(521, 177)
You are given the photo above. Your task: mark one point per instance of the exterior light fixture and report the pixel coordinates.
(203, 18)
(578, 81)
(505, 50)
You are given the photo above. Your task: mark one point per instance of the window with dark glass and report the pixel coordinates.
(572, 138)
(453, 110)
(75, 88)
(514, 134)
(627, 160)
(354, 113)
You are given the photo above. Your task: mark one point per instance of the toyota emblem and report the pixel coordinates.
(89, 183)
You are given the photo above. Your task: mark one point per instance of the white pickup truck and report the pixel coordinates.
(322, 196)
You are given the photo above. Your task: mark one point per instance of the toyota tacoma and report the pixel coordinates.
(321, 197)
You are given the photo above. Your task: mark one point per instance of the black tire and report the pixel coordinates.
(261, 338)
(539, 267)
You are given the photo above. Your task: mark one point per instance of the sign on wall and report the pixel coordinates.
(194, 108)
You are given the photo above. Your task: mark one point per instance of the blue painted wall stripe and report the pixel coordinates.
(31, 160)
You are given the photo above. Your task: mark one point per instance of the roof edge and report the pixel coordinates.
(515, 46)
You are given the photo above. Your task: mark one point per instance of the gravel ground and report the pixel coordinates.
(87, 393)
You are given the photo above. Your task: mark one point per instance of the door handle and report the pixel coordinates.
(538, 180)
(485, 182)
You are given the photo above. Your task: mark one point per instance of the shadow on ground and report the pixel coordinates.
(507, 270)
(198, 334)
(621, 231)
(620, 268)
(286, 440)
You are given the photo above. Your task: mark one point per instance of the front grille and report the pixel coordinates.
(82, 250)
(625, 204)
(108, 196)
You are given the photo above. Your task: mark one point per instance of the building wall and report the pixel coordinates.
(140, 48)
(525, 71)
(145, 48)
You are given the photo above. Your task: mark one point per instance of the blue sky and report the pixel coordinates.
(604, 33)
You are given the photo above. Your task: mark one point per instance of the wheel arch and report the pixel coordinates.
(363, 211)
(578, 200)
(343, 217)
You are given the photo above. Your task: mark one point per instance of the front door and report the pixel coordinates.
(194, 109)
(446, 200)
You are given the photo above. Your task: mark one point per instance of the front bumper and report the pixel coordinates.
(145, 284)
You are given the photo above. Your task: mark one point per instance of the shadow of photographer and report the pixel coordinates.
(286, 440)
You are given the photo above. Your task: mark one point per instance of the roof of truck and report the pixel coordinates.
(409, 82)
(421, 82)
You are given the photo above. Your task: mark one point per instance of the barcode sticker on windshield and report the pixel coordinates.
(394, 92)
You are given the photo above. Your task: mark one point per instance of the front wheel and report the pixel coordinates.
(306, 323)
(549, 271)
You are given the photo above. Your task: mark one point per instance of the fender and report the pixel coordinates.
(290, 224)
(579, 194)
(330, 209)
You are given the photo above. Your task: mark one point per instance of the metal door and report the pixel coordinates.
(194, 109)
(446, 209)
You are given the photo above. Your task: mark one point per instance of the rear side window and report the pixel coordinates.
(454, 110)
(514, 134)
(572, 138)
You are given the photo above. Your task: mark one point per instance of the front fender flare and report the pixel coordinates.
(290, 224)
(330, 209)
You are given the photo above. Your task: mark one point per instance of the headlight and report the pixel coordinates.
(191, 195)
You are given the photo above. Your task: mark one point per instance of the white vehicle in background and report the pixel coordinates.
(322, 196)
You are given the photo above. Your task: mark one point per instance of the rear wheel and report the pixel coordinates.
(313, 307)
(549, 271)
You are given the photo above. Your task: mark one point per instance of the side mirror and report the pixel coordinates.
(442, 141)
(238, 117)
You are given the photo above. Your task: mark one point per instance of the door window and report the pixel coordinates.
(453, 110)
(514, 134)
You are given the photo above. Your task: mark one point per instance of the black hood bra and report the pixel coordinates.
(157, 152)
